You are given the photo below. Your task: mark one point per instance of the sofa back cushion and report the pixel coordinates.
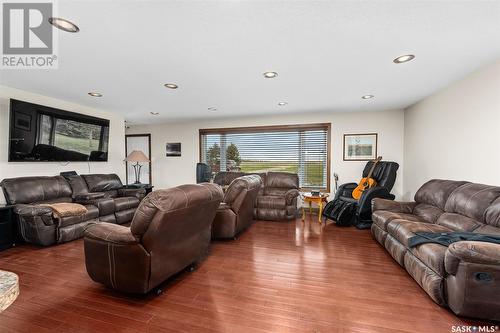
(277, 183)
(103, 182)
(436, 192)
(492, 214)
(27, 190)
(472, 200)
(78, 185)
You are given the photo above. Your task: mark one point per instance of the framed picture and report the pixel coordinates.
(360, 147)
(22, 121)
(174, 149)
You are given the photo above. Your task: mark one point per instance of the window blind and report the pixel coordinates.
(301, 149)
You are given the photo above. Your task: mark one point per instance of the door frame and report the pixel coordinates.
(148, 135)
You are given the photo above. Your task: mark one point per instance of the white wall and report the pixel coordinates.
(116, 152)
(172, 171)
(455, 133)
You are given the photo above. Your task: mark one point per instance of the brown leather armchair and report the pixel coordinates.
(279, 200)
(235, 213)
(170, 231)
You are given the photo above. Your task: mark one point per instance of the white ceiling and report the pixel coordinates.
(327, 53)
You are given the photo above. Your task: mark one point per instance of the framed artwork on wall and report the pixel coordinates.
(360, 147)
(173, 149)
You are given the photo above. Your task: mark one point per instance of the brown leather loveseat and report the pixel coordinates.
(170, 231)
(464, 276)
(277, 198)
(235, 213)
(102, 195)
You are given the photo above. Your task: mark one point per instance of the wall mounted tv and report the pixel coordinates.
(40, 133)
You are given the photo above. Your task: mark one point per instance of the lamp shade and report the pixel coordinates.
(137, 156)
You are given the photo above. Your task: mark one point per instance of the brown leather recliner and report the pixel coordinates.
(277, 198)
(235, 213)
(170, 231)
(464, 276)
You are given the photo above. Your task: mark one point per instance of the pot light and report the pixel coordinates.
(367, 96)
(63, 24)
(404, 58)
(212, 109)
(95, 94)
(155, 113)
(282, 103)
(171, 85)
(270, 75)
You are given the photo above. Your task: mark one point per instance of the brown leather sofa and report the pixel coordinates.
(464, 276)
(277, 198)
(102, 195)
(235, 213)
(170, 231)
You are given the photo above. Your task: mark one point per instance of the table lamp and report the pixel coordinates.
(138, 157)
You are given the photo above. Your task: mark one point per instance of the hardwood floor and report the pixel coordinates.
(277, 277)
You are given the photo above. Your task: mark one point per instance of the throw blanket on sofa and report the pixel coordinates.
(447, 238)
(66, 209)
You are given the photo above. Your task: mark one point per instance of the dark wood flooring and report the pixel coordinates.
(277, 277)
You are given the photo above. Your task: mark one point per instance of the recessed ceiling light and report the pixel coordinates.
(270, 75)
(155, 113)
(212, 109)
(282, 103)
(404, 58)
(367, 96)
(95, 94)
(171, 85)
(63, 24)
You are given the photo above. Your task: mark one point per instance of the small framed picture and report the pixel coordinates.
(173, 149)
(360, 147)
(22, 121)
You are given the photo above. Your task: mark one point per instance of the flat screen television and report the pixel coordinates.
(40, 133)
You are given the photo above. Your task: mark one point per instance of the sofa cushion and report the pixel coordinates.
(472, 200)
(436, 192)
(78, 185)
(282, 180)
(125, 203)
(457, 222)
(382, 218)
(269, 201)
(26, 190)
(492, 214)
(427, 212)
(487, 229)
(92, 213)
(403, 230)
(102, 182)
(432, 255)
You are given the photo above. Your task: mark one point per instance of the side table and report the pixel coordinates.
(307, 197)
(6, 227)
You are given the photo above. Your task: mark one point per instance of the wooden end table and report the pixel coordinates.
(318, 199)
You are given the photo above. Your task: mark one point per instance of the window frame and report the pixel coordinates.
(274, 128)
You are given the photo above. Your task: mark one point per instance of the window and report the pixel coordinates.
(301, 149)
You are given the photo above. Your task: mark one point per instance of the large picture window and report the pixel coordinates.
(301, 149)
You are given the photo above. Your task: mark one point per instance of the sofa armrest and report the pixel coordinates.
(471, 252)
(34, 214)
(392, 206)
(139, 193)
(88, 198)
(32, 210)
(290, 195)
(109, 232)
(345, 190)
